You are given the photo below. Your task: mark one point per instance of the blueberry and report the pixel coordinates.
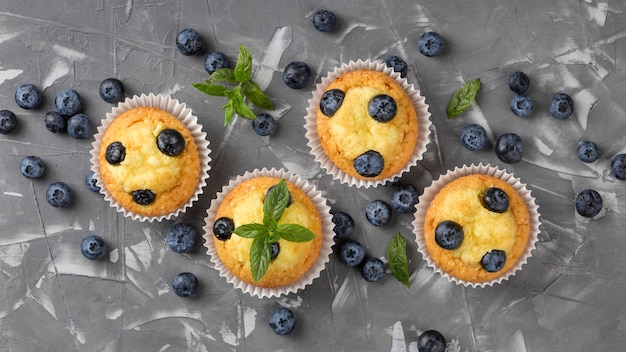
(214, 61)
(588, 203)
(344, 225)
(93, 247)
(68, 102)
(32, 167)
(588, 151)
(373, 269)
(449, 234)
(382, 108)
(297, 75)
(618, 166)
(518, 82)
(404, 198)
(143, 196)
(275, 250)
(431, 341)
(351, 253)
(331, 101)
(112, 90)
(397, 64)
(55, 122)
(509, 148)
(474, 137)
(324, 21)
(28, 96)
(8, 121)
(493, 260)
(181, 237)
(90, 181)
(188, 42)
(59, 195)
(369, 164)
(496, 200)
(282, 321)
(223, 228)
(561, 106)
(378, 212)
(170, 142)
(185, 284)
(79, 126)
(521, 105)
(115, 153)
(264, 125)
(430, 44)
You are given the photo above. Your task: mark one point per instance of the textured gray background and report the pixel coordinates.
(569, 297)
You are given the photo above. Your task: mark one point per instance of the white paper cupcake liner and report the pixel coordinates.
(178, 110)
(327, 233)
(431, 191)
(419, 102)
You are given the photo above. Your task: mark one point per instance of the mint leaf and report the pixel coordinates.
(398, 261)
(276, 202)
(224, 75)
(260, 257)
(229, 112)
(463, 98)
(240, 105)
(251, 230)
(211, 89)
(243, 69)
(294, 233)
(256, 96)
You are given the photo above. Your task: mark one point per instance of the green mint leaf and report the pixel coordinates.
(243, 69)
(463, 98)
(260, 257)
(275, 202)
(294, 233)
(241, 108)
(224, 75)
(256, 96)
(229, 112)
(398, 261)
(251, 231)
(210, 89)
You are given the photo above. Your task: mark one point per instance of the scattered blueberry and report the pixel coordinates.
(214, 61)
(324, 21)
(382, 108)
(297, 75)
(185, 284)
(397, 64)
(404, 198)
(79, 126)
(275, 250)
(431, 341)
(331, 101)
(28, 96)
(521, 105)
(115, 153)
(588, 151)
(55, 122)
(264, 125)
(474, 137)
(618, 167)
(68, 102)
(282, 321)
(561, 106)
(493, 260)
(351, 253)
(449, 234)
(223, 228)
(8, 121)
(369, 164)
(90, 181)
(373, 269)
(93, 247)
(170, 142)
(344, 225)
(32, 167)
(188, 42)
(143, 196)
(378, 212)
(181, 237)
(430, 44)
(588, 203)
(518, 82)
(112, 90)
(509, 148)
(59, 195)
(496, 200)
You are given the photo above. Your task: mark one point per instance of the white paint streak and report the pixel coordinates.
(164, 348)
(9, 74)
(598, 13)
(249, 320)
(70, 54)
(13, 194)
(13, 254)
(114, 256)
(398, 344)
(58, 69)
(175, 89)
(280, 41)
(144, 251)
(131, 261)
(113, 313)
(584, 103)
(228, 336)
(542, 147)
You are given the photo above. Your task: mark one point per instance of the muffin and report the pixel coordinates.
(476, 225)
(150, 163)
(292, 264)
(366, 125)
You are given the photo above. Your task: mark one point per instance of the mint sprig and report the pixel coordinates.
(271, 231)
(238, 88)
(398, 261)
(463, 98)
